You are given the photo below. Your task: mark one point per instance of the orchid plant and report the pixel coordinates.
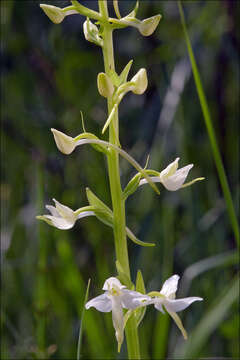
(127, 301)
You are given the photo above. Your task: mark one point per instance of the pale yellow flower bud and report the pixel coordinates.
(65, 143)
(54, 13)
(105, 86)
(148, 26)
(91, 33)
(140, 82)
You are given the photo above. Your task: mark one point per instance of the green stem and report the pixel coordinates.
(118, 203)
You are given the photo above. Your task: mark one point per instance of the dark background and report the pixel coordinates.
(48, 75)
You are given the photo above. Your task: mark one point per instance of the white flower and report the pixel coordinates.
(172, 177)
(166, 298)
(62, 217)
(115, 298)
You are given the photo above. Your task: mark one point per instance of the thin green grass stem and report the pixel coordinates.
(211, 132)
(81, 324)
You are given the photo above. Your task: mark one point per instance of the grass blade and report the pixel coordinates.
(209, 322)
(211, 132)
(81, 324)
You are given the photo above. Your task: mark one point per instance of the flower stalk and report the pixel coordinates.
(118, 203)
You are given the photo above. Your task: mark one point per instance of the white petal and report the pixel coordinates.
(112, 282)
(102, 303)
(169, 287)
(158, 302)
(180, 304)
(132, 299)
(52, 210)
(65, 211)
(60, 223)
(174, 182)
(170, 169)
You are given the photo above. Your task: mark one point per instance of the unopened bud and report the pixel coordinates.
(105, 86)
(148, 26)
(140, 82)
(65, 143)
(54, 13)
(91, 33)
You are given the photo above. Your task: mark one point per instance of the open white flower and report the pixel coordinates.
(62, 217)
(166, 298)
(115, 298)
(172, 177)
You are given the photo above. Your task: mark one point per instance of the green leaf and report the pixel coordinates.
(136, 240)
(140, 287)
(124, 74)
(131, 186)
(96, 202)
(140, 283)
(81, 322)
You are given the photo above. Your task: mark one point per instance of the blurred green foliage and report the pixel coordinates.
(48, 75)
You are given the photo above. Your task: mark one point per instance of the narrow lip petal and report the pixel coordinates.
(170, 286)
(180, 304)
(112, 282)
(102, 303)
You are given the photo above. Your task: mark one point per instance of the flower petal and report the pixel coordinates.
(169, 287)
(112, 282)
(180, 304)
(170, 169)
(132, 299)
(52, 210)
(102, 303)
(58, 222)
(64, 143)
(158, 302)
(175, 181)
(65, 211)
